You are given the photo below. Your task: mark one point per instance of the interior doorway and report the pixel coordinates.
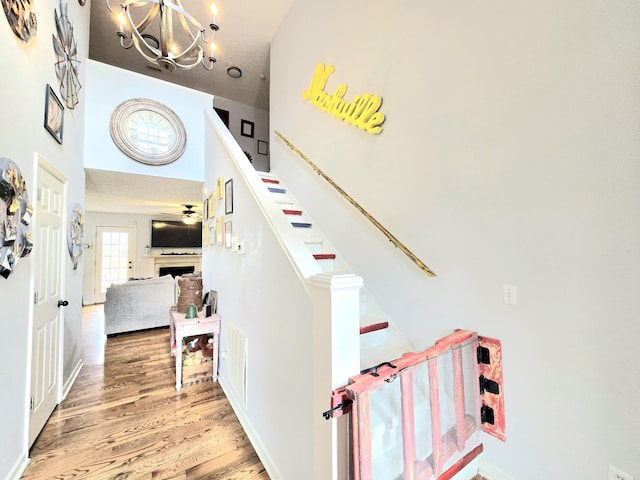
(46, 350)
(114, 258)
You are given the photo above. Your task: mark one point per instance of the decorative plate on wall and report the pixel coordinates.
(75, 233)
(148, 131)
(15, 217)
(21, 15)
(67, 65)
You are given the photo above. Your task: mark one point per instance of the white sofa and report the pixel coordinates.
(139, 304)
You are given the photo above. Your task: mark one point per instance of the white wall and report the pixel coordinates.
(110, 86)
(28, 68)
(262, 296)
(260, 118)
(509, 156)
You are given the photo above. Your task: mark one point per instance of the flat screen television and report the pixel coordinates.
(175, 234)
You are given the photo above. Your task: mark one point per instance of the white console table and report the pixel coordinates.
(181, 327)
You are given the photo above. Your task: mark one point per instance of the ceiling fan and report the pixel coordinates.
(189, 215)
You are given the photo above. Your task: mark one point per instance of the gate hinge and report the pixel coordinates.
(487, 385)
(487, 415)
(484, 355)
(340, 404)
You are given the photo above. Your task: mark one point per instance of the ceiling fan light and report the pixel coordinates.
(189, 219)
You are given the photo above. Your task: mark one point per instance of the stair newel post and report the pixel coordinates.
(336, 357)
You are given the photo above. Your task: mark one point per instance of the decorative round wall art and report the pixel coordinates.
(75, 232)
(67, 65)
(147, 131)
(15, 217)
(21, 15)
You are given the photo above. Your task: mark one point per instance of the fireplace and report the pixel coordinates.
(176, 264)
(176, 271)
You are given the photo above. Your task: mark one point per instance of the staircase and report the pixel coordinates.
(380, 340)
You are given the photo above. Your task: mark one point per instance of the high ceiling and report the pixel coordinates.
(246, 30)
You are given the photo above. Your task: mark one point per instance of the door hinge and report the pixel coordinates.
(32, 404)
(35, 298)
(39, 194)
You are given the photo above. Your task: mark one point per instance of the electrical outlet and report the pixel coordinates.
(616, 474)
(509, 294)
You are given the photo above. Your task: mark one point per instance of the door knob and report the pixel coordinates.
(62, 303)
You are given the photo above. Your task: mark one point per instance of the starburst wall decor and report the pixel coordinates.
(67, 65)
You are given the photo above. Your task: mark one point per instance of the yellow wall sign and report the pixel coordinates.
(362, 112)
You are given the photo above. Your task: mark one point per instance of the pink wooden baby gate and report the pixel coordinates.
(419, 417)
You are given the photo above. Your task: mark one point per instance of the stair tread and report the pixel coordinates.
(373, 327)
(324, 256)
(266, 174)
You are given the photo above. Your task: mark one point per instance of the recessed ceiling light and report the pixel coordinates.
(234, 72)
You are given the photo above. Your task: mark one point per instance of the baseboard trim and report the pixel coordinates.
(18, 468)
(491, 472)
(262, 452)
(72, 379)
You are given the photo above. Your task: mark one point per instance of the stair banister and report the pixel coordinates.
(367, 215)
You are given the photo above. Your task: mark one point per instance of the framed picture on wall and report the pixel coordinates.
(263, 147)
(53, 114)
(219, 230)
(227, 234)
(224, 116)
(228, 196)
(246, 128)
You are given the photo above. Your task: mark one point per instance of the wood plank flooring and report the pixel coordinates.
(123, 419)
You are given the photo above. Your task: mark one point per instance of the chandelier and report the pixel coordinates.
(165, 33)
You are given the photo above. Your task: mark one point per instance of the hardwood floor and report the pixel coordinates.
(123, 419)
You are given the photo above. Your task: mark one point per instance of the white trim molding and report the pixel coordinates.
(491, 472)
(18, 468)
(72, 379)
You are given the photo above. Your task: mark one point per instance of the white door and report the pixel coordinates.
(114, 258)
(47, 313)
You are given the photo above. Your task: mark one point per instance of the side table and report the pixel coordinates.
(181, 327)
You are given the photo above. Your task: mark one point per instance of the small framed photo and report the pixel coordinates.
(211, 206)
(212, 233)
(228, 196)
(263, 147)
(246, 128)
(224, 115)
(53, 114)
(219, 230)
(219, 188)
(205, 234)
(227, 234)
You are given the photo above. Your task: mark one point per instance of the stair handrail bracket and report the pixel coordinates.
(397, 243)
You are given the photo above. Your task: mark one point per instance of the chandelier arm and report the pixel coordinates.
(136, 40)
(144, 23)
(122, 38)
(187, 52)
